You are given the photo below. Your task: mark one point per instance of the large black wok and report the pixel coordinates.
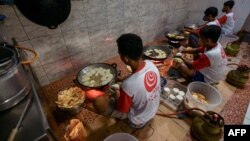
(90, 67)
(48, 13)
(165, 48)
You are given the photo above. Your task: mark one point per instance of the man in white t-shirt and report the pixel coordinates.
(211, 64)
(227, 21)
(139, 95)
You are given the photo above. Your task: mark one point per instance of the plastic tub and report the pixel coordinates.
(120, 137)
(212, 95)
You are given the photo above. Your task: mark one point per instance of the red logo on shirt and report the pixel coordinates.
(150, 81)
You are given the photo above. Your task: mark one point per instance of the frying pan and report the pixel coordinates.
(191, 26)
(90, 67)
(165, 48)
(174, 38)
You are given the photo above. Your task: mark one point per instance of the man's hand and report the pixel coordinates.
(184, 43)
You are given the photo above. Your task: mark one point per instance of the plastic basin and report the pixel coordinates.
(120, 137)
(212, 95)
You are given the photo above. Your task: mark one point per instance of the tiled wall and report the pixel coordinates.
(90, 32)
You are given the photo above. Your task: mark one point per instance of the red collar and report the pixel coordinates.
(141, 67)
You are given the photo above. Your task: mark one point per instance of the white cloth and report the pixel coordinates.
(218, 62)
(144, 88)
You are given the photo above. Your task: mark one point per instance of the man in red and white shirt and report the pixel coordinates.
(211, 64)
(210, 15)
(227, 21)
(210, 18)
(139, 95)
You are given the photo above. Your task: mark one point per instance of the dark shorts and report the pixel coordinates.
(198, 76)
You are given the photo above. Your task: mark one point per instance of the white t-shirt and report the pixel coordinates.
(228, 23)
(218, 62)
(215, 22)
(144, 89)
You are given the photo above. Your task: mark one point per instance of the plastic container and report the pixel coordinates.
(172, 102)
(179, 99)
(166, 92)
(212, 95)
(120, 137)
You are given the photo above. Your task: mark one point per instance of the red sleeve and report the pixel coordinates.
(197, 31)
(223, 19)
(124, 102)
(201, 49)
(201, 62)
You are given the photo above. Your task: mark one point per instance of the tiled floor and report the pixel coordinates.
(240, 100)
(247, 116)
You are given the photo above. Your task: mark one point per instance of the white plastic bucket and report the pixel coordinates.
(120, 137)
(212, 95)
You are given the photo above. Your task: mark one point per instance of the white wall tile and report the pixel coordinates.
(115, 30)
(115, 10)
(132, 25)
(98, 36)
(80, 59)
(93, 6)
(11, 26)
(96, 19)
(51, 48)
(58, 69)
(77, 17)
(99, 41)
(131, 9)
(77, 40)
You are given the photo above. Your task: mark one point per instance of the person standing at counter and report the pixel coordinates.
(227, 21)
(139, 95)
(210, 65)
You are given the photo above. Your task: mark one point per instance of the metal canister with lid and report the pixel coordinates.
(14, 84)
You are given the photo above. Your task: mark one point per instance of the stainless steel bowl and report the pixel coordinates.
(75, 108)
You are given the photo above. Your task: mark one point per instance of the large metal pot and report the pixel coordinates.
(14, 83)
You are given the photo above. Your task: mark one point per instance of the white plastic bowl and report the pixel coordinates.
(212, 95)
(120, 137)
